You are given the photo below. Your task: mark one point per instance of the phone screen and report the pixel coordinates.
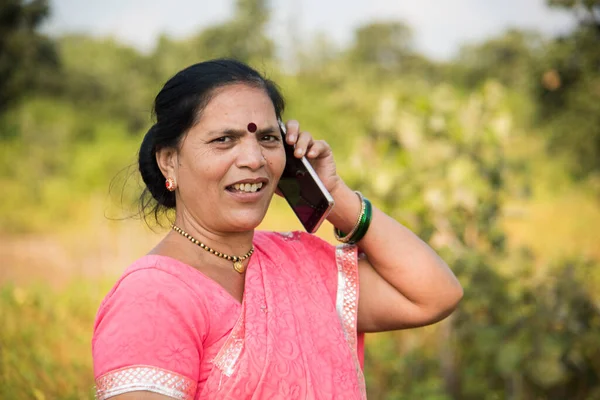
(303, 190)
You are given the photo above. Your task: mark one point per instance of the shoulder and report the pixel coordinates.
(150, 308)
(151, 323)
(150, 289)
(153, 276)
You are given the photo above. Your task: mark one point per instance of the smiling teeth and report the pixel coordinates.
(248, 187)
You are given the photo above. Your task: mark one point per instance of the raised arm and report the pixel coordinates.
(403, 282)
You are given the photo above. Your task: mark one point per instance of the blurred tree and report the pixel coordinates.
(382, 43)
(26, 56)
(243, 37)
(315, 55)
(438, 163)
(568, 89)
(106, 78)
(387, 47)
(587, 11)
(508, 59)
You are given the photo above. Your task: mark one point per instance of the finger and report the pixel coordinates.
(319, 149)
(304, 141)
(292, 128)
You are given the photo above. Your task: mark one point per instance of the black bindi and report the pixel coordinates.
(252, 127)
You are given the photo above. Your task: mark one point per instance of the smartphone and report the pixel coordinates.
(303, 190)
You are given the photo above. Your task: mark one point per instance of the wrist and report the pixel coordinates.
(347, 208)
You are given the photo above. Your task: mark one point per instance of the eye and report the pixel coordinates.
(222, 139)
(270, 138)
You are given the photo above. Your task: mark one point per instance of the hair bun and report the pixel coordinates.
(151, 173)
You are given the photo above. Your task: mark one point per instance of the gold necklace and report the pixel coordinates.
(238, 262)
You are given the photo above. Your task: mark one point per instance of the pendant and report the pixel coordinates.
(239, 266)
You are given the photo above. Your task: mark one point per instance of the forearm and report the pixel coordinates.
(399, 256)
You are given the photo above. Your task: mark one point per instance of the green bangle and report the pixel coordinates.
(362, 225)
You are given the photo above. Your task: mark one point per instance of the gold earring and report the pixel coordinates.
(170, 184)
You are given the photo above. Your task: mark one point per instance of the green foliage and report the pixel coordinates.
(562, 76)
(243, 38)
(45, 348)
(568, 94)
(385, 49)
(568, 90)
(438, 160)
(508, 59)
(590, 5)
(108, 79)
(26, 57)
(70, 155)
(384, 44)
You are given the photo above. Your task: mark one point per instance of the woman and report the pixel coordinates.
(218, 310)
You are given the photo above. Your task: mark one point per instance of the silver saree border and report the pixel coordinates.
(346, 303)
(145, 378)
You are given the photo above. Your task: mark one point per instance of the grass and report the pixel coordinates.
(45, 340)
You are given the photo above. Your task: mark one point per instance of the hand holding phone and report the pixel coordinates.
(303, 190)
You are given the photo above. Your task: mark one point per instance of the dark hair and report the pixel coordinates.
(177, 108)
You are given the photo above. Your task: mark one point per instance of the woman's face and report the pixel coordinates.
(225, 173)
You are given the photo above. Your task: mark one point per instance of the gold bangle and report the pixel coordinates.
(346, 238)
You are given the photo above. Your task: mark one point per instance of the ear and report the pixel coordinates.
(166, 158)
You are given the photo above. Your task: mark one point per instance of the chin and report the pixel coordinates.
(246, 223)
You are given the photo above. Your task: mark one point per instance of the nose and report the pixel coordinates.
(250, 155)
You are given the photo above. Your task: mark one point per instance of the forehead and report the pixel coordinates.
(238, 103)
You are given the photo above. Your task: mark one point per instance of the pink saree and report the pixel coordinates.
(167, 328)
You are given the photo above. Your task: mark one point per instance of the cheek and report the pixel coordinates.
(202, 172)
(277, 163)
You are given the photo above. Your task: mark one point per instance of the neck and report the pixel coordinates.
(229, 243)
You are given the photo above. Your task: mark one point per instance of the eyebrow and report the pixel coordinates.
(241, 132)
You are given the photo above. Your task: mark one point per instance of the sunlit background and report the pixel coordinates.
(474, 123)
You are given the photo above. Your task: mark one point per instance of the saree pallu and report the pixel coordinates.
(167, 328)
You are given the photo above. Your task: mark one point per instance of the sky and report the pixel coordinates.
(440, 26)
